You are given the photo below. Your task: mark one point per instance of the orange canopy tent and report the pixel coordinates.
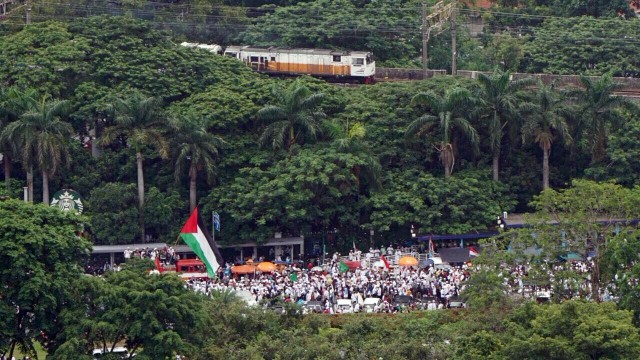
(266, 266)
(407, 261)
(243, 269)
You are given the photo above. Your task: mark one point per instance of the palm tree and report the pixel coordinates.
(499, 97)
(195, 149)
(597, 110)
(138, 119)
(545, 122)
(13, 103)
(445, 113)
(40, 136)
(350, 139)
(295, 117)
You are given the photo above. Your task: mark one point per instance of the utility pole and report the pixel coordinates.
(28, 13)
(425, 41)
(454, 51)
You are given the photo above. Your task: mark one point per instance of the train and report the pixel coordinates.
(340, 65)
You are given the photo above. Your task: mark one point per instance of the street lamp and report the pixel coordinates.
(371, 233)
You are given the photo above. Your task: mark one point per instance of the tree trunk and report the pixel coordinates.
(595, 277)
(545, 168)
(291, 138)
(447, 159)
(45, 188)
(30, 183)
(6, 162)
(495, 166)
(599, 146)
(140, 194)
(193, 173)
(96, 150)
(12, 349)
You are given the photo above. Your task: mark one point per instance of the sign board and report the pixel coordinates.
(67, 200)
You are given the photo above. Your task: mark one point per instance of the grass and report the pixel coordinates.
(41, 353)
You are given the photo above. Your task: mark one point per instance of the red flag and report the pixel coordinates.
(158, 266)
(473, 251)
(384, 262)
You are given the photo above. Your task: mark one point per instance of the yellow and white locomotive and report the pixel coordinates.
(329, 64)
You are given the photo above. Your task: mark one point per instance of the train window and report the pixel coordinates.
(273, 58)
(337, 58)
(232, 54)
(253, 59)
(358, 61)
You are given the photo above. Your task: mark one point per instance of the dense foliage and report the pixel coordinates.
(519, 35)
(296, 157)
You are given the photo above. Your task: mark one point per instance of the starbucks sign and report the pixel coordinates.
(67, 200)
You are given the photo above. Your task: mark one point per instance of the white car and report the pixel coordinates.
(344, 306)
(370, 304)
(122, 351)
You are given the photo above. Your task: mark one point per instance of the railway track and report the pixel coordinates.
(629, 93)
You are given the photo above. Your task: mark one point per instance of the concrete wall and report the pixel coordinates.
(629, 84)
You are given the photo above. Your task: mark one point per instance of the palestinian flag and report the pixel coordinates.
(196, 236)
(342, 267)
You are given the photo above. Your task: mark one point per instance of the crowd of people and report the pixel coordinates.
(397, 288)
(430, 288)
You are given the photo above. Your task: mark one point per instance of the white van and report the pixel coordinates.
(370, 304)
(344, 306)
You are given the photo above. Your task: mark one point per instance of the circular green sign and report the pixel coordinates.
(67, 200)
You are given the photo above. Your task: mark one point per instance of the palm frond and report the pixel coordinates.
(420, 125)
(429, 99)
(271, 113)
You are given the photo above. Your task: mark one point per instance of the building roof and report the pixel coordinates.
(470, 236)
(454, 255)
(514, 221)
(108, 249)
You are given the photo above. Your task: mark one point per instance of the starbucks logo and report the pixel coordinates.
(67, 200)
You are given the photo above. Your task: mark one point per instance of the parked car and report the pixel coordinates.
(370, 304)
(313, 306)
(402, 300)
(344, 306)
(119, 350)
(456, 303)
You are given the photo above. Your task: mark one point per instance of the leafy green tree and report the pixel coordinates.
(113, 213)
(505, 51)
(583, 45)
(500, 97)
(545, 122)
(155, 316)
(446, 114)
(598, 111)
(612, 8)
(166, 212)
(437, 205)
(294, 119)
(46, 57)
(196, 149)
(314, 188)
(350, 139)
(13, 103)
(139, 120)
(583, 216)
(572, 330)
(41, 253)
(40, 137)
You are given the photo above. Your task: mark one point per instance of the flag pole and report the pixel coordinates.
(213, 222)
